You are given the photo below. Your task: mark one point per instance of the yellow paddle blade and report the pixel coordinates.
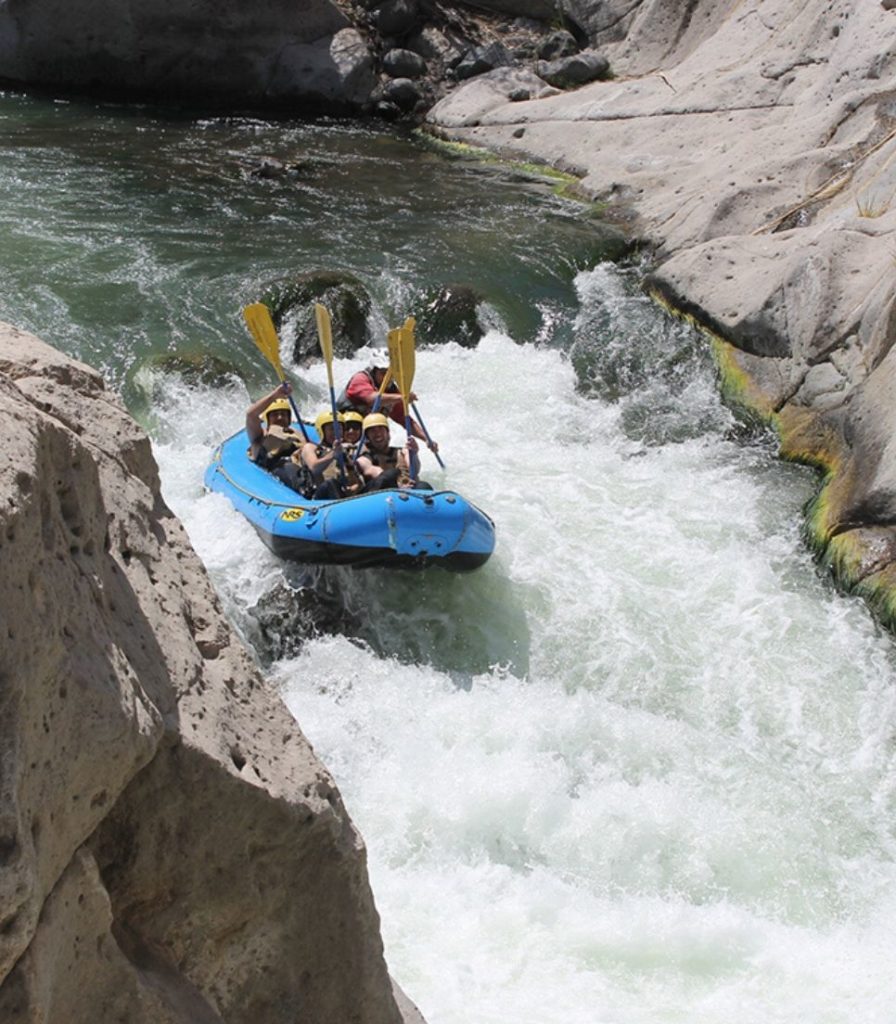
(325, 334)
(261, 326)
(393, 341)
(408, 355)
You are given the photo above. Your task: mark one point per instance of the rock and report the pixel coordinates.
(482, 59)
(537, 10)
(404, 64)
(451, 315)
(288, 615)
(335, 72)
(387, 111)
(167, 829)
(291, 302)
(397, 17)
(474, 100)
(404, 93)
(433, 44)
(558, 44)
(268, 167)
(197, 368)
(570, 72)
(276, 54)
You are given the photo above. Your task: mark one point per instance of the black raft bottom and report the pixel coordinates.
(312, 553)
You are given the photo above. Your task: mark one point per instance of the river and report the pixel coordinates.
(640, 767)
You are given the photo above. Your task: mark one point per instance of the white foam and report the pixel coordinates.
(673, 797)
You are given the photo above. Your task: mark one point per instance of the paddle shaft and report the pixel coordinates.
(426, 434)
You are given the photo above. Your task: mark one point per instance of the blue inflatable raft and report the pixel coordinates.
(393, 528)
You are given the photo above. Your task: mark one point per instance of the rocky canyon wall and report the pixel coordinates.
(752, 145)
(171, 849)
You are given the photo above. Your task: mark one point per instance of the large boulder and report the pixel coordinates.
(451, 314)
(292, 305)
(277, 52)
(572, 71)
(172, 850)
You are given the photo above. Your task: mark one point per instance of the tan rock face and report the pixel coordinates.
(754, 145)
(171, 848)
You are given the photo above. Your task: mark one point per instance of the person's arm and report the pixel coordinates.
(254, 429)
(360, 391)
(367, 468)
(318, 463)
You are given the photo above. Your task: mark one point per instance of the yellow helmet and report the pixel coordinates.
(375, 419)
(323, 418)
(352, 417)
(276, 406)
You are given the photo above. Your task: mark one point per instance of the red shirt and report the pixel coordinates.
(361, 392)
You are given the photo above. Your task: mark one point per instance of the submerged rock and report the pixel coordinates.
(292, 302)
(196, 368)
(451, 315)
(289, 615)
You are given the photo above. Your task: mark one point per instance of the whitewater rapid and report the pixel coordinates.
(640, 767)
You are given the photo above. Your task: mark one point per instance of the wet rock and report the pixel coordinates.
(569, 72)
(268, 167)
(387, 111)
(451, 315)
(292, 305)
(196, 368)
(292, 613)
(400, 63)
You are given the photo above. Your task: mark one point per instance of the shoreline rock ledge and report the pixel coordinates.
(172, 850)
(751, 144)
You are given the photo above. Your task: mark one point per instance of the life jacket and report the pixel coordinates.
(331, 470)
(278, 443)
(385, 460)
